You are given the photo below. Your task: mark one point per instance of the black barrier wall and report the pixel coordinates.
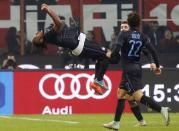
(164, 89)
(60, 61)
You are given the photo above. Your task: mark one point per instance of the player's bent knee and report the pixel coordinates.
(121, 94)
(133, 103)
(130, 98)
(138, 95)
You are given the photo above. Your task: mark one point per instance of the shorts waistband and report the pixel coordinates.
(77, 51)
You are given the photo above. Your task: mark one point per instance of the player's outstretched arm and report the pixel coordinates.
(108, 54)
(56, 20)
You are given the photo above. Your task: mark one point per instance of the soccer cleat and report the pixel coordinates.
(101, 84)
(112, 125)
(165, 114)
(96, 88)
(141, 123)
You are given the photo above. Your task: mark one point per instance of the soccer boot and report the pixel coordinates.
(165, 114)
(141, 123)
(101, 84)
(96, 88)
(112, 125)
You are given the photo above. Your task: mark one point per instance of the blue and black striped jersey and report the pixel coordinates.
(130, 45)
(66, 37)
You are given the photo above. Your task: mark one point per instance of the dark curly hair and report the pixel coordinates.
(38, 44)
(133, 20)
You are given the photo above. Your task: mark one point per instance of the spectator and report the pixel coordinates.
(11, 40)
(168, 44)
(9, 62)
(154, 32)
(28, 46)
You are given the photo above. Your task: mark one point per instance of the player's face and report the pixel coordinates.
(124, 27)
(38, 37)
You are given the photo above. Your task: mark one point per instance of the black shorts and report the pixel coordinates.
(131, 78)
(93, 50)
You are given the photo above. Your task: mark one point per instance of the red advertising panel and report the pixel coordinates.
(63, 92)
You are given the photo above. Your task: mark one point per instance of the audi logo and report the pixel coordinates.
(75, 86)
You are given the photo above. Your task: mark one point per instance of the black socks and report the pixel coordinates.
(136, 110)
(119, 109)
(101, 68)
(149, 102)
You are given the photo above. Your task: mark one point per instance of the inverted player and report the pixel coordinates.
(71, 38)
(68, 37)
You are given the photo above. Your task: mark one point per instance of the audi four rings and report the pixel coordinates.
(75, 86)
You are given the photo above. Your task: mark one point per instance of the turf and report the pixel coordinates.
(84, 122)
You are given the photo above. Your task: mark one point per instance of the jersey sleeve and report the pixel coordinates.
(148, 55)
(152, 50)
(119, 43)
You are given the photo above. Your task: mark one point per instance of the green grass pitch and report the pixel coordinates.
(84, 122)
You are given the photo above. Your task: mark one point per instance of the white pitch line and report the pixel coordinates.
(40, 120)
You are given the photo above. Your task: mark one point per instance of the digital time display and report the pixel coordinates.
(161, 93)
(164, 89)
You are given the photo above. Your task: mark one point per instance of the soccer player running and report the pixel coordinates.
(98, 82)
(103, 64)
(130, 44)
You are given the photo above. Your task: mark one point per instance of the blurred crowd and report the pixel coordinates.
(161, 37)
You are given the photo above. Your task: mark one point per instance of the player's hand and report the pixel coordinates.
(152, 66)
(108, 54)
(44, 7)
(157, 71)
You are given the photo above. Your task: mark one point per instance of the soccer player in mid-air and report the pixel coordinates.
(71, 38)
(67, 37)
(130, 44)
